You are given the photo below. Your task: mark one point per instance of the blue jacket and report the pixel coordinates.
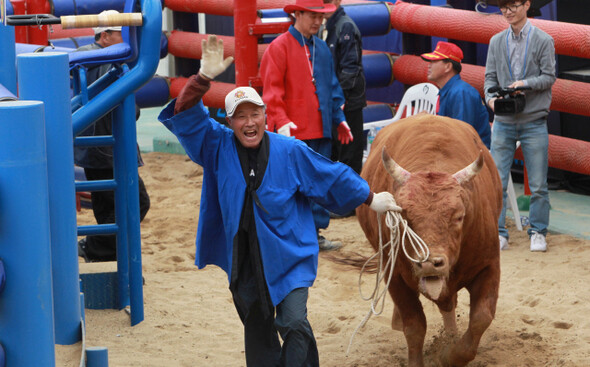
(285, 227)
(459, 100)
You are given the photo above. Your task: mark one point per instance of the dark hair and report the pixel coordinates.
(502, 3)
(456, 65)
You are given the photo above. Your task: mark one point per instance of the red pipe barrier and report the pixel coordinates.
(59, 32)
(20, 32)
(245, 46)
(38, 35)
(188, 45)
(215, 97)
(465, 25)
(566, 154)
(226, 7)
(567, 94)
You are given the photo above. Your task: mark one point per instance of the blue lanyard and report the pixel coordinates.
(526, 48)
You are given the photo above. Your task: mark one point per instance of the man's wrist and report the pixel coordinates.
(203, 78)
(370, 198)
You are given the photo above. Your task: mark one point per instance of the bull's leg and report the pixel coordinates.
(396, 321)
(410, 310)
(447, 310)
(483, 293)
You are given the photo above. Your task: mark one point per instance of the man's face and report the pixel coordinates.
(247, 123)
(109, 38)
(307, 22)
(515, 13)
(437, 70)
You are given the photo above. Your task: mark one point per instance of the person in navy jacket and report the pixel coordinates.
(255, 219)
(457, 99)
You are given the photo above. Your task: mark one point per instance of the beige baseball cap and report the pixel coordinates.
(105, 14)
(240, 95)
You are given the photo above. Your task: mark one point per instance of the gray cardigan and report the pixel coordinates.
(540, 74)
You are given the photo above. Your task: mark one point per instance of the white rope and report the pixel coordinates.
(393, 220)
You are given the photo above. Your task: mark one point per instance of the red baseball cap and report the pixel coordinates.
(443, 51)
(315, 6)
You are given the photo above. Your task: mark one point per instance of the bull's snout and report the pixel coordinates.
(432, 275)
(434, 265)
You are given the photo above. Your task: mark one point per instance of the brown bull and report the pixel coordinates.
(448, 187)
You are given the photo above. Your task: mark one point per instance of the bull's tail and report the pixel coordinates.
(354, 261)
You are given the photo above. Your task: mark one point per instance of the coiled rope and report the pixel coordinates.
(404, 236)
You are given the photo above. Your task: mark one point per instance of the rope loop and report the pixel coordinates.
(397, 236)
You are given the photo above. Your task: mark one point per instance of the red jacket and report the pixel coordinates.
(289, 93)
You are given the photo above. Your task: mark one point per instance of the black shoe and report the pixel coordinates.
(82, 250)
(327, 245)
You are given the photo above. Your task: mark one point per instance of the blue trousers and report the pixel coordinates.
(261, 333)
(534, 140)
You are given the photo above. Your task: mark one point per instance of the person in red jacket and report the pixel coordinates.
(301, 90)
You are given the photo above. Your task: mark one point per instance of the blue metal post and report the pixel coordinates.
(7, 61)
(127, 182)
(97, 357)
(26, 305)
(45, 77)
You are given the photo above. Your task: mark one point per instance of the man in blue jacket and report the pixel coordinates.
(255, 219)
(457, 99)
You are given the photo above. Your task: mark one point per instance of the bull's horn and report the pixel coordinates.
(400, 175)
(467, 173)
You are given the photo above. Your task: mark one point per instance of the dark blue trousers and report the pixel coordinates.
(261, 333)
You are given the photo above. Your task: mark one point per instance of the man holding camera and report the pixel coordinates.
(522, 56)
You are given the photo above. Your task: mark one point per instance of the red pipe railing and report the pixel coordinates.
(566, 154)
(188, 45)
(225, 7)
(567, 94)
(38, 35)
(570, 39)
(215, 97)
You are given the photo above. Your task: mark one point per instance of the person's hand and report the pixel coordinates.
(491, 103)
(516, 84)
(383, 202)
(286, 129)
(344, 134)
(212, 62)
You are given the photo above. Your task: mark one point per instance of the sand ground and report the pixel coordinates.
(541, 320)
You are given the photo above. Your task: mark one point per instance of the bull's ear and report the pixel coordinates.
(466, 174)
(400, 175)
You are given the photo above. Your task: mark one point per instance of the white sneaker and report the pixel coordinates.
(503, 242)
(538, 242)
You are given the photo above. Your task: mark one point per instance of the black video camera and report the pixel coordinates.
(510, 102)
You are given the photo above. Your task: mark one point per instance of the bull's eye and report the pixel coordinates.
(460, 219)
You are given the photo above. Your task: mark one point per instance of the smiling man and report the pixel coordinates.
(522, 55)
(255, 219)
